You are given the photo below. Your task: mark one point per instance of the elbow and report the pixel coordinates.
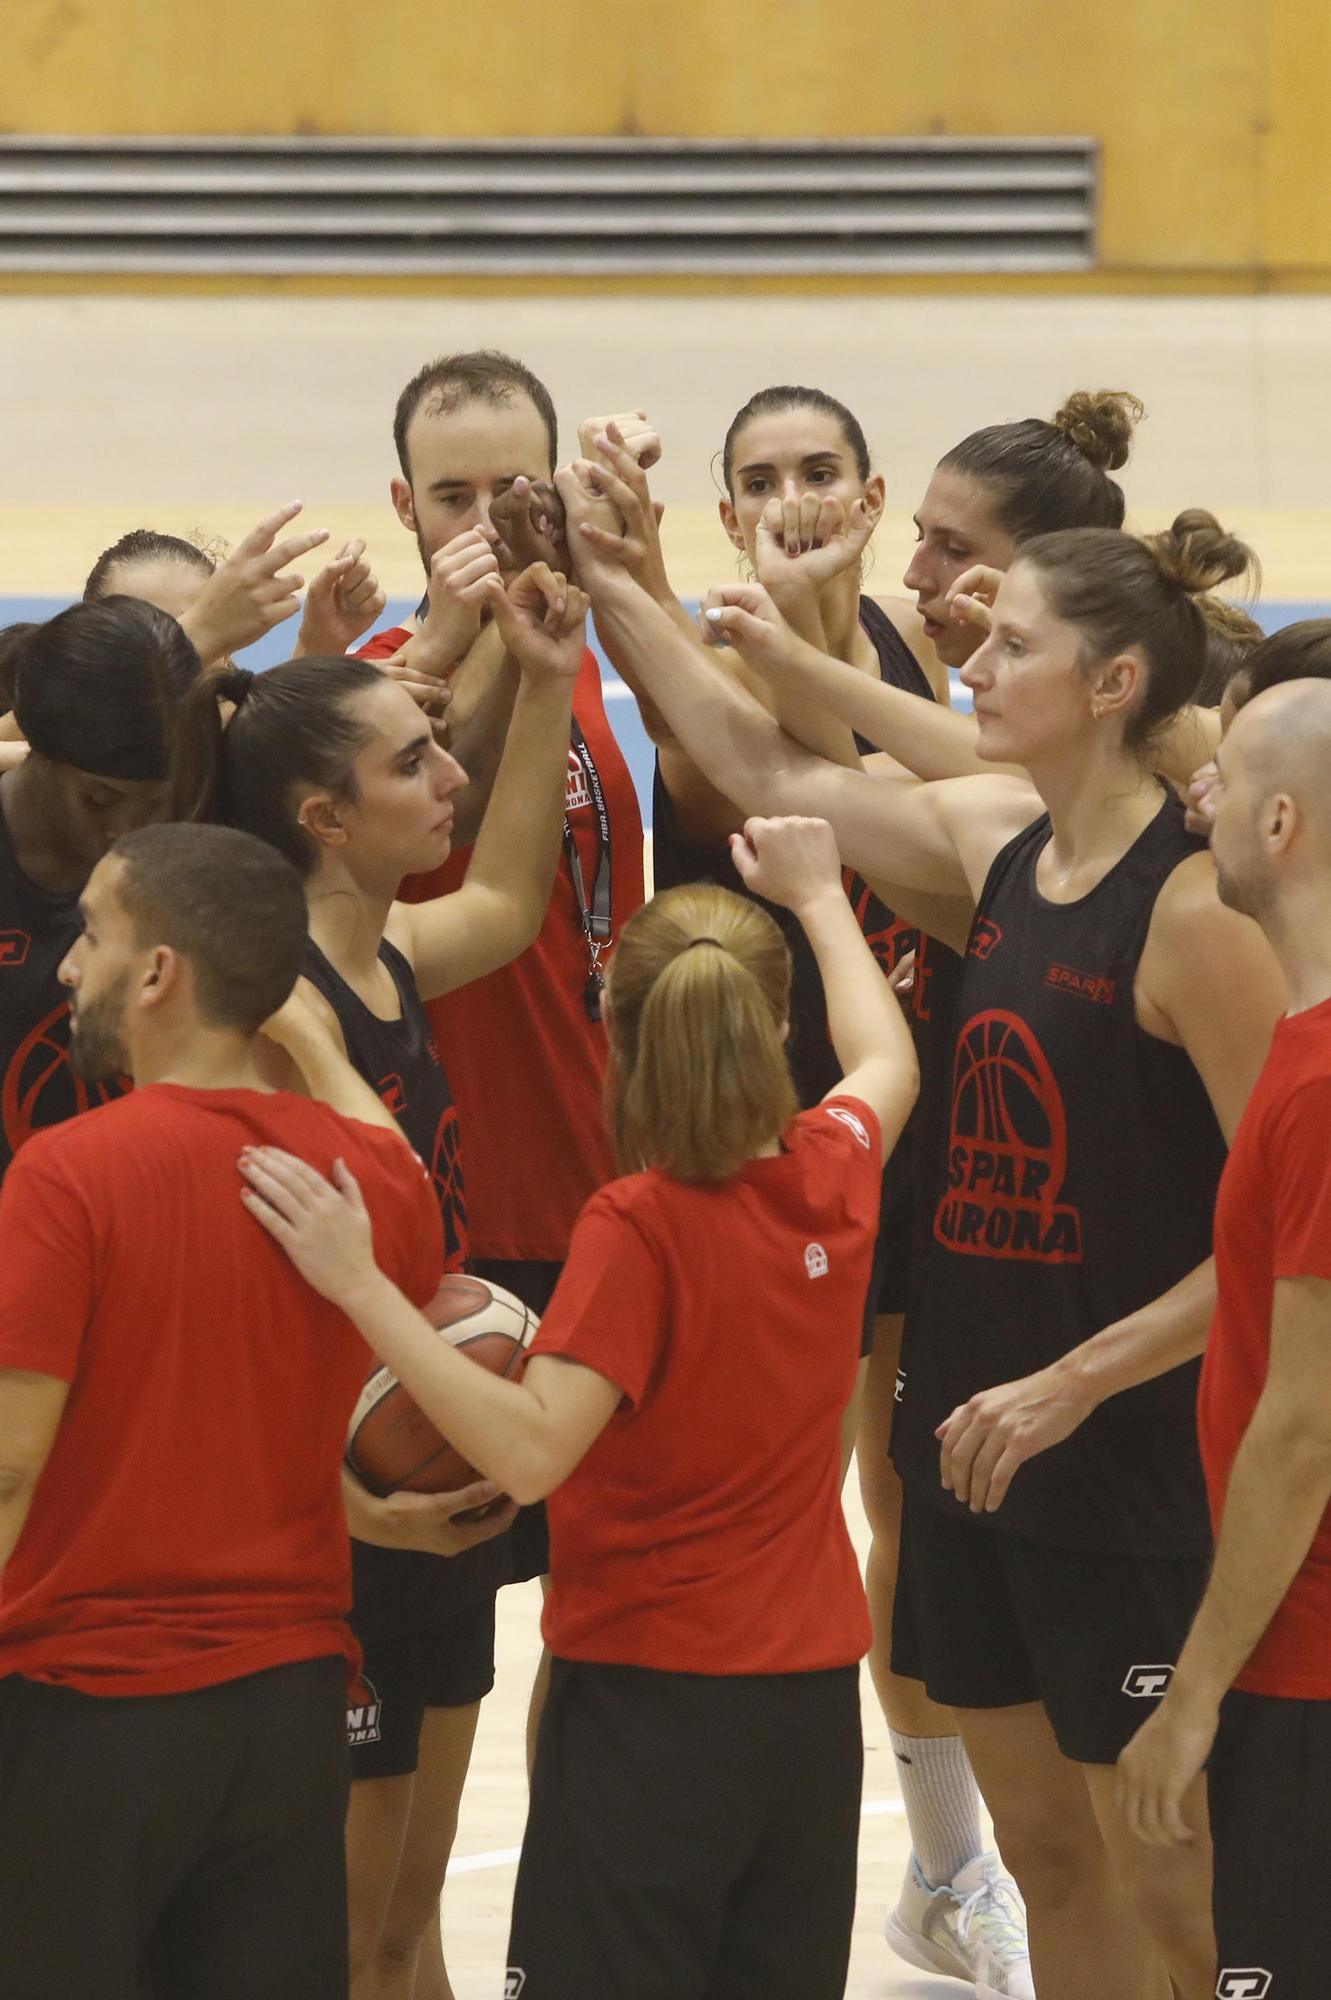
(529, 1476)
(15, 1483)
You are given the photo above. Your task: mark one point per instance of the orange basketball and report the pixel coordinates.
(391, 1444)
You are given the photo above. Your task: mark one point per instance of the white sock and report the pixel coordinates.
(942, 1803)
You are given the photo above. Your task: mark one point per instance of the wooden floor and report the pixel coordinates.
(206, 413)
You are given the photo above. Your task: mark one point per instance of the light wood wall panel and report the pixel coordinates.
(1214, 129)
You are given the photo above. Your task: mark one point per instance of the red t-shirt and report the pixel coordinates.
(524, 1059)
(1273, 1220)
(703, 1531)
(187, 1528)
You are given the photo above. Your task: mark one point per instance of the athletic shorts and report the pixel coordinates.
(533, 1281)
(183, 1843)
(690, 1837)
(1270, 1793)
(889, 1278)
(991, 1620)
(402, 1677)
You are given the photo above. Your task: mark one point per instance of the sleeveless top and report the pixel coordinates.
(397, 1592)
(37, 1085)
(677, 859)
(1077, 1181)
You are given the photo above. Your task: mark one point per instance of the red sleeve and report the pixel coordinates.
(608, 1309)
(383, 645)
(1300, 1163)
(47, 1277)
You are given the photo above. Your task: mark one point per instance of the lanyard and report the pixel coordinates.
(594, 916)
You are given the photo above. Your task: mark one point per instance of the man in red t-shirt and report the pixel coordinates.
(525, 1048)
(174, 1564)
(1254, 1678)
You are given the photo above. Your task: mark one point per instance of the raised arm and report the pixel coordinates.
(501, 906)
(248, 594)
(795, 862)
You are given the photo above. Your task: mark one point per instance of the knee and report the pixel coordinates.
(1050, 1866)
(1172, 1901)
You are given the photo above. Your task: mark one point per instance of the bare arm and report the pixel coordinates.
(479, 727)
(31, 1407)
(307, 1032)
(501, 906)
(1279, 1489)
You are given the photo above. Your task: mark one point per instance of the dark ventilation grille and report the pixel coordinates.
(352, 207)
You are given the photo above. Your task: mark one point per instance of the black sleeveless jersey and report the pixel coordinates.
(397, 1592)
(1080, 1164)
(38, 1087)
(400, 1060)
(676, 859)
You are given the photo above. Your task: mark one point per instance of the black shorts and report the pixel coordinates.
(185, 1843)
(1270, 1791)
(991, 1620)
(889, 1280)
(402, 1677)
(690, 1837)
(533, 1281)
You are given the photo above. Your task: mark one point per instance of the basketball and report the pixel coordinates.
(391, 1444)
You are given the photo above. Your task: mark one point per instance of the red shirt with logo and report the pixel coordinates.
(524, 1057)
(1273, 1220)
(703, 1531)
(187, 1528)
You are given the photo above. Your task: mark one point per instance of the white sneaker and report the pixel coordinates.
(973, 1928)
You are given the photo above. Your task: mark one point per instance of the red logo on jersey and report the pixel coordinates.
(924, 972)
(576, 790)
(14, 947)
(984, 937)
(1090, 985)
(393, 1094)
(1008, 1152)
(450, 1192)
(886, 936)
(40, 1086)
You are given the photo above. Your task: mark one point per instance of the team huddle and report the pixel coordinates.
(957, 1103)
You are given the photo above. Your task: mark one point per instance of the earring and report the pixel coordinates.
(1097, 713)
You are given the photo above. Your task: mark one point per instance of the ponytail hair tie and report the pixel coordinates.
(702, 940)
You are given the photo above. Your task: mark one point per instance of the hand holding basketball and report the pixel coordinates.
(431, 1524)
(987, 1440)
(790, 861)
(322, 1225)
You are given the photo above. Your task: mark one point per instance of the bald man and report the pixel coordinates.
(1252, 1688)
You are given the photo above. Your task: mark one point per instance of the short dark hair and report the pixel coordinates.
(229, 904)
(99, 686)
(794, 396)
(143, 545)
(485, 376)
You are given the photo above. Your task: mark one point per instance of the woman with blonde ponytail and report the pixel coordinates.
(1109, 1019)
(695, 1801)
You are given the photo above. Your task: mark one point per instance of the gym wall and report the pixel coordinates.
(1213, 120)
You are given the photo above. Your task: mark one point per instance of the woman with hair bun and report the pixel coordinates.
(93, 694)
(1109, 1020)
(695, 1799)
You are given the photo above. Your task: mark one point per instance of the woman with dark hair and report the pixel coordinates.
(94, 694)
(331, 761)
(1110, 1018)
(226, 602)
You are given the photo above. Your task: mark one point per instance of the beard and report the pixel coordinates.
(97, 1049)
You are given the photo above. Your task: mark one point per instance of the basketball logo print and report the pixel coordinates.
(40, 1086)
(450, 1193)
(1008, 1150)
